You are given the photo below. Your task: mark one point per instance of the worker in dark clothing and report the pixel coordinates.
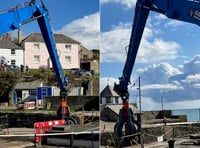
(85, 86)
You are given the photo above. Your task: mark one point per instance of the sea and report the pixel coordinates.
(193, 115)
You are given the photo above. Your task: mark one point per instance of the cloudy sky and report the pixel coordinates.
(168, 61)
(74, 18)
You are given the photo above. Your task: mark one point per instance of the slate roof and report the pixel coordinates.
(108, 92)
(59, 38)
(6, 44)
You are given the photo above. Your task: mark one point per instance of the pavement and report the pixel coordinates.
(178, 144)
(16, 138)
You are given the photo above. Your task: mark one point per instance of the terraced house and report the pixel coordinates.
(36, 53)
(32, 52)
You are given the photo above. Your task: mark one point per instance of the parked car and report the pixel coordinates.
(75, 71)
(80, 72)
(85, 73)
(12, 68)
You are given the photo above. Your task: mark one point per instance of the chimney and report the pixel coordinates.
(6, 36)
(19, 36)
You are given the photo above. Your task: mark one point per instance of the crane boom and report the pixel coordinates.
(183, 10)
(23, 14)
(14, 18)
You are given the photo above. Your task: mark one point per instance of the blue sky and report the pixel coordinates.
(168, 60)
(70, 17)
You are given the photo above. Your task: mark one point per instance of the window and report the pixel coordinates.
(67, 47)
(12, 51)
(85, 56)
(36, 46)
(109, 100)
(68, 59)
(36, 59)
(13, 62)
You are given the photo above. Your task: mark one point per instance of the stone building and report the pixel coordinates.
(109, 96)
(89, 59)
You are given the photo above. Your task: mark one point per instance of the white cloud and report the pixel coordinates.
(192, 79)
(165, 50)
(126, 3)
(114, 42)
(160, 16)
(192, 66)
(174, 84)
(157, 73)
(85, 30)
(183, 104)
(174, 23)
(150, 104)
(167, 87)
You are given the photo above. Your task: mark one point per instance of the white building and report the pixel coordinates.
(12, 52)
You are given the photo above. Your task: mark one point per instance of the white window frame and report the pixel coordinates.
(36, 46)
(36, 59)
(68, 59)
(13, 52)
(68, 47)
(13, 62)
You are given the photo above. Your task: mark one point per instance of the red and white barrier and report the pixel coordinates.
(41, 127)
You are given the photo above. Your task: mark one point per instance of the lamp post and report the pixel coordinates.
(140, 116)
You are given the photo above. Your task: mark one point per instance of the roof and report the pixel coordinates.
(85, 49)
(59, 38)
(108, 92)
(6, 44)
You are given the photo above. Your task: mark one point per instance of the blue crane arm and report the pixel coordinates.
(14, 18)
(183, 10)
(140, 18)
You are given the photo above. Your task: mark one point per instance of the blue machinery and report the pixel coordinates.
(183, 10)
(14, 18)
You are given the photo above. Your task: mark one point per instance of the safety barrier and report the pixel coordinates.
(41, 127)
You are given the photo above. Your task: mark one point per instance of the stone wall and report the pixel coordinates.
(27, 119)
(75, 101)
(158, 116)
(149, 115)
(152, 133)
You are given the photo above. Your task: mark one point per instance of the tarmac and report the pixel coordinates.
(9, 140)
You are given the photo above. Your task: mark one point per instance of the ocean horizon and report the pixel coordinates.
(193, 114)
